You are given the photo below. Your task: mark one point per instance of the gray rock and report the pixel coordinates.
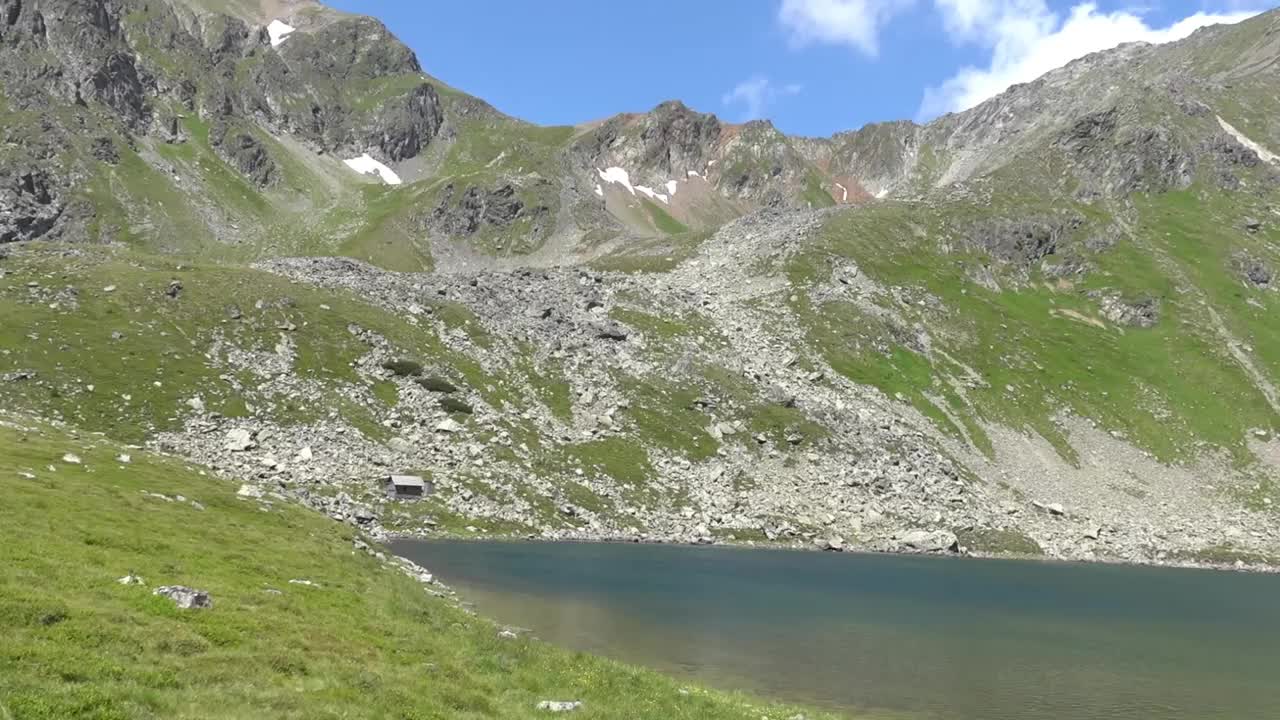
(835, 544)
(245, 153)
(239, 440)
(32, 204)
(1051, 508)
(449, 425)
(559, 706)
(185, 598)
(610, 331)
(467, 212)
(1143, 312)
(925, 541)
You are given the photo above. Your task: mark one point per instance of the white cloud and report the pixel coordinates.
(855, 23)
(757, 94)
(1026, 39)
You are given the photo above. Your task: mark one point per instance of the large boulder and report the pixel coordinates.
(927, 541)
(185, 598)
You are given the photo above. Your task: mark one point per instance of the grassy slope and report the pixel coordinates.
(368, 642)
(1042, 346)
(126, 362)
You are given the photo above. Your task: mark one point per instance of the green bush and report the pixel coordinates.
(403, 368)
(435, 383)
(454, 405)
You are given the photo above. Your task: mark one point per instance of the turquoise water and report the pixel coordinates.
(914, 637)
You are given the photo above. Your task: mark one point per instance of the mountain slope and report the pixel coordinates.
(1038, 326)
(305, 620)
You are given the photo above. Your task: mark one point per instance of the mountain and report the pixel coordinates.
(260, 237)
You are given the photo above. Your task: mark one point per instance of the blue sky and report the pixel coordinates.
(814, 67)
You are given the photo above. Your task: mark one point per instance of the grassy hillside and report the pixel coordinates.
(363, 641)
(973, 338)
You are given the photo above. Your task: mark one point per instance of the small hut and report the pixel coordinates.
(408, 487)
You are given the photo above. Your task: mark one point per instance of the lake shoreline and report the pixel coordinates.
(1259, 568)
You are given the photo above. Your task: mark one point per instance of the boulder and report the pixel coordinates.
(558, 706)
(610, 331)
(249, 491)
(834, 544)
(449, 425)
(240, 440)
(1051, 508)
(925, 541)
(185, 598)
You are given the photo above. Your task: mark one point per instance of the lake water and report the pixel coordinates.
(912, 636)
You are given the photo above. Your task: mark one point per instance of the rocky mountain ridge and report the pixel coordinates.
(343, 86)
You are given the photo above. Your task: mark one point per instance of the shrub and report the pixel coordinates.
(435, 383)
(403, 368)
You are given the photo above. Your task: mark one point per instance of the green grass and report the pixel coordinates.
(374, 93)
(384, 234)
(814, 194)
(622, 459)
(367, 642)
(1038, 347)
(667, 332)
(653, 255)
(665, 415)
(504, 145)
(1226, 554)
(663, 220)
(387, 392)
(1004, 542)
(550, 386)
(739, 399)
(126, 362)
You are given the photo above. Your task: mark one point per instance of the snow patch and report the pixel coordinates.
(599, 190)
(672, 186)
(882, 193)
(619, 176)
(1262, 152)
(693, 173)
(366, 165)
(653, 194)
(845, 190)
(278, 31)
